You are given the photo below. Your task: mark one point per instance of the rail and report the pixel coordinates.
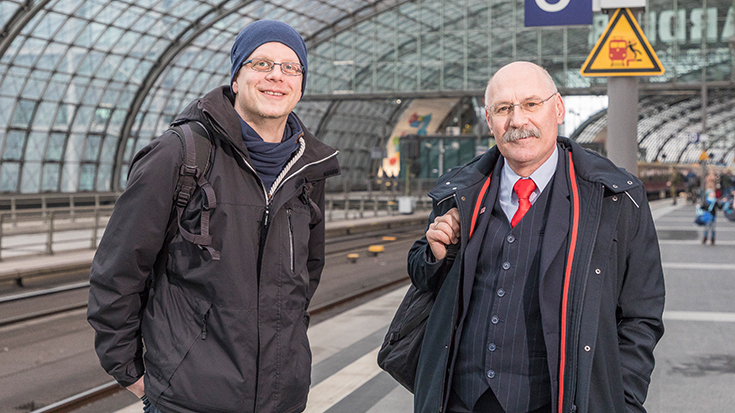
(45, 231)
(80, 224)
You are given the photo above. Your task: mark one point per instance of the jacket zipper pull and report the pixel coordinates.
(204, 325)
(266, 215)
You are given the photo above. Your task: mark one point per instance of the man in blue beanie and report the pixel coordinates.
(217, 283)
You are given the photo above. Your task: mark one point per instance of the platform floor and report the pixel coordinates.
(695, 368)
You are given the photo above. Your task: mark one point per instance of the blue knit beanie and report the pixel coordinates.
(266, 31)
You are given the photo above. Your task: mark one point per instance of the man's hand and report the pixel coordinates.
(137, 388)
(444, 231)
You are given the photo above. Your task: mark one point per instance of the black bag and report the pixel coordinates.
(198, 159)
(399, 354)
(196, 164)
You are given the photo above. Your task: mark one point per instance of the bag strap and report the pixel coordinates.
(198, 150)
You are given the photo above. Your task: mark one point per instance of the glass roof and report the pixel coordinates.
(670, 128)
(84, 84)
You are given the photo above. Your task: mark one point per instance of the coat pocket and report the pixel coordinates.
(173, 322)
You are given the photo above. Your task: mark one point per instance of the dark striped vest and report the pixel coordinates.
(502, 343)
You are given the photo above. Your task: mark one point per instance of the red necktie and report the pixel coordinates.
(523, 188)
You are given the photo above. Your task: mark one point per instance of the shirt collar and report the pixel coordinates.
(540, 176)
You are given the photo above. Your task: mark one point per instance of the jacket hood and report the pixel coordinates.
(216, 108)
(589, 166)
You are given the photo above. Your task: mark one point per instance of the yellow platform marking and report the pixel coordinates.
(375, 249)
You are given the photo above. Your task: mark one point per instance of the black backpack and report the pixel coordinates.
(198, 159)
(193, 172)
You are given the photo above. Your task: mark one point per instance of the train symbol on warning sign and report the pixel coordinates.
(623, 52)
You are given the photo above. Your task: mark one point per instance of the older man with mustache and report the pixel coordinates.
(546, 266)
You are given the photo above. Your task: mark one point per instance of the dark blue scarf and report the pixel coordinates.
(268, 158)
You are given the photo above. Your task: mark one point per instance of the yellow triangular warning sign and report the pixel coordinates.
(622, 50)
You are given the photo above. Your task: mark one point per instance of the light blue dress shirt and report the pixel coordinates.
(541, 177)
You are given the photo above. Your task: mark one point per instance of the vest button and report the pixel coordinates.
(511, 238)
(501, 292)
(495, 319)
(492, 347)
(506, 265)
(490, 374)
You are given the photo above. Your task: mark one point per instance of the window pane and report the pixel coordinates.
(9, 176)
(35, 87)
(55, 90)
(14, 145)
(83, 118)
(124, 176)
(86, 178)
(64, 115)
(129, 149)
(45, 115)
(35, 147)
(92, 148)
(108, 149)
(118, 117)
(31, 177)
(56, 145)
(23, 113)
(70, 177)
(51, 177)
(104, 178)
(99, 121)
(6, 106)
(74, 148)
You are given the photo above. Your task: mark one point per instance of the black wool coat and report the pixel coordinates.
(601, 286)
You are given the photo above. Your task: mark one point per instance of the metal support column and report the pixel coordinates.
(622, 122)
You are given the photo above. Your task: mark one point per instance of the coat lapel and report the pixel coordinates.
(472, 252)
(557, 225)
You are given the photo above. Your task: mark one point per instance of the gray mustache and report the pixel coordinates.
(512, 135)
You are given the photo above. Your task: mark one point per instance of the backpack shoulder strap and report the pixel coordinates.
(198, 154)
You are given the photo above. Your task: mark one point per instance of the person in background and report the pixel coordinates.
(675, 179)
(710, 181)
(546, 266)
(711, 204)
(691, 185)
(224, 327)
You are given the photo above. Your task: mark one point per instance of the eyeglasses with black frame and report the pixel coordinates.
(527, 106)
(265, 65)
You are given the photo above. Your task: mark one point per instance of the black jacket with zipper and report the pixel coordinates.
(601, 327)
(221, 335)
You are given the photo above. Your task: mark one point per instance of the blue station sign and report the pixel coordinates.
(557, 12)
